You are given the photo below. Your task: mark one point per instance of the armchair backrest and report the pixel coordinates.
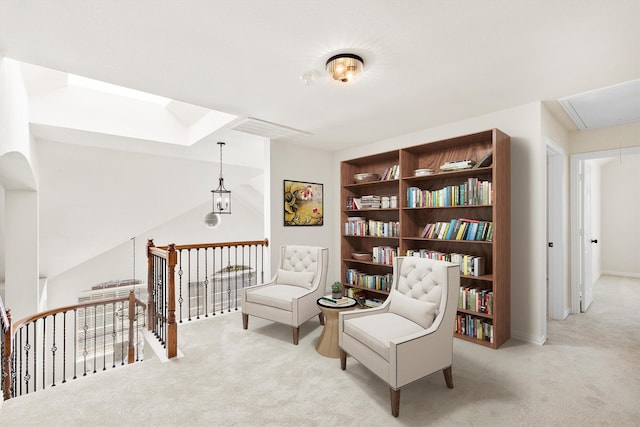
(425, 280)
(305, 259)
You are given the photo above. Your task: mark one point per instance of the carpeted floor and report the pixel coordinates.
(587, 374)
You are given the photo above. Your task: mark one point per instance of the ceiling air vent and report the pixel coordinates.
(265, 129)
(609, 106)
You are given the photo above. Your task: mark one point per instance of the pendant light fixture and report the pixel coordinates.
(344, 67)
(221, 199)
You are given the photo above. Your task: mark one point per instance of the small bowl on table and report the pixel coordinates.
(361, 256)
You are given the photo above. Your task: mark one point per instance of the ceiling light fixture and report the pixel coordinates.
(344, 67)
(221, 199)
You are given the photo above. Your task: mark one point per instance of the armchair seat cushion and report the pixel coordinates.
(278, 296)
(377, 331)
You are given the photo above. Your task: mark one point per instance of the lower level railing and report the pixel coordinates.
(190, 282)
(58, 345)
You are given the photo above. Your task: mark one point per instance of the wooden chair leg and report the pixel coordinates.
(343, 359)
(395, 401)
(296, 334)
(448, 376)
(245, 321)
(321, 317)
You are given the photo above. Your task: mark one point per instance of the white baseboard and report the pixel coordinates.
(528, 338)
(564, 315)
(621, 273)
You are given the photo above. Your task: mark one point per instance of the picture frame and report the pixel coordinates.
(303, 203)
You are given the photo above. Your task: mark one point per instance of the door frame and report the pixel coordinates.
(577, 200)
(556, 203)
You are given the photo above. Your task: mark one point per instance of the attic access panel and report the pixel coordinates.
(609, 106)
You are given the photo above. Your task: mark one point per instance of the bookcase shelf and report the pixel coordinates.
(492, 252)
(475, 313)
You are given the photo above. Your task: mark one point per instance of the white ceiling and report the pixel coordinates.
(426, 62)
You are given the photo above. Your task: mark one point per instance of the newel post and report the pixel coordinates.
(8, 344)
(132, 325)
(172, 326)
(151, 306)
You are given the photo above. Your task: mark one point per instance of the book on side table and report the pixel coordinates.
(336, 301)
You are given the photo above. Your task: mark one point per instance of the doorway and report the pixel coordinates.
(587, 213)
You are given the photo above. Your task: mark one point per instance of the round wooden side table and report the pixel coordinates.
(328, 342)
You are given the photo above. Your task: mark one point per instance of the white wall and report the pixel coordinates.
(117, 262)
(18, 176)
(605, 139)
(93, 199)
(528, 194)
(293, 162)
(21, 287)
(620, 202)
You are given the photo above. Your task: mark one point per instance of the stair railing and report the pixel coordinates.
(36, 351)
(189, 282)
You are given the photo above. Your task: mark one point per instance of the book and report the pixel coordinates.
(452, 226)
(485, 161)
(336, 301)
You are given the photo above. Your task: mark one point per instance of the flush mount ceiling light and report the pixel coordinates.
(344, 67)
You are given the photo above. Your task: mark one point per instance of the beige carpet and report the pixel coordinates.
(588, 374)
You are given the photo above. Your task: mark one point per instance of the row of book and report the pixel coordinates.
(475, 327)
(473, 192)
(372, 201)
(470, 265)
(459, 229)
(475, 299)
(360, 226)
(391, 173)
(457, 165)
(384, 254)
(381, 282)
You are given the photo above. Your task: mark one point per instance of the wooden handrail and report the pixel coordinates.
(264, 242)
(158, 251)
(47, 313)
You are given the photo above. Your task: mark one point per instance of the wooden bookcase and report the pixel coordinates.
(412, 220)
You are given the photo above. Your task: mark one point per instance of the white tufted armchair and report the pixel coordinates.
(411, 335)
(290, 297)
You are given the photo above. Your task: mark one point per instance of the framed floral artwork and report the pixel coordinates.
(302, 203)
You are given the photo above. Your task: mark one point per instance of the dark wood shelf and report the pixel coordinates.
(371, 184)
(462, 173)
(371, 210)
(376, 264)
(370, 237)
(445, 207)
(376, 291)
(422, 239)
(476, 313)
(474, 340)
